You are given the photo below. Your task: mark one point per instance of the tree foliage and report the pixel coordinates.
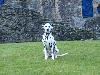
(19, 23)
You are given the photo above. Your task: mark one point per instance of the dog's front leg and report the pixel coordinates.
(46, 53)
(52, 53)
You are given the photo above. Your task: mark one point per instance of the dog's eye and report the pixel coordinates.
(49, 26)
(45, 26)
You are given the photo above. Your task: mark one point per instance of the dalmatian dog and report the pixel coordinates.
(50, 48)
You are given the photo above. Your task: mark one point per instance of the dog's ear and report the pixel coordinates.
(43, 26)
(51, 27)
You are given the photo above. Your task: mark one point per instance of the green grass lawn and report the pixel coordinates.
(27, 59)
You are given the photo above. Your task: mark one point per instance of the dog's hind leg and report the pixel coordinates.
(52, 53)
(46, 54)
(57, 50)
(56, 54)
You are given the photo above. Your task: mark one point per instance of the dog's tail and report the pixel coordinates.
(62, 55)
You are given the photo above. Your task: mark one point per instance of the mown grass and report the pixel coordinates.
(27, 59)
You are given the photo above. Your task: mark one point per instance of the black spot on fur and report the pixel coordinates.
(54, 43)
(53, 49)
(50, 45)
(47, 37)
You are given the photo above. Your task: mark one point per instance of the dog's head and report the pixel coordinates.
(47, 28)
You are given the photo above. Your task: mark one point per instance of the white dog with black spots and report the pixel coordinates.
(50, 48)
